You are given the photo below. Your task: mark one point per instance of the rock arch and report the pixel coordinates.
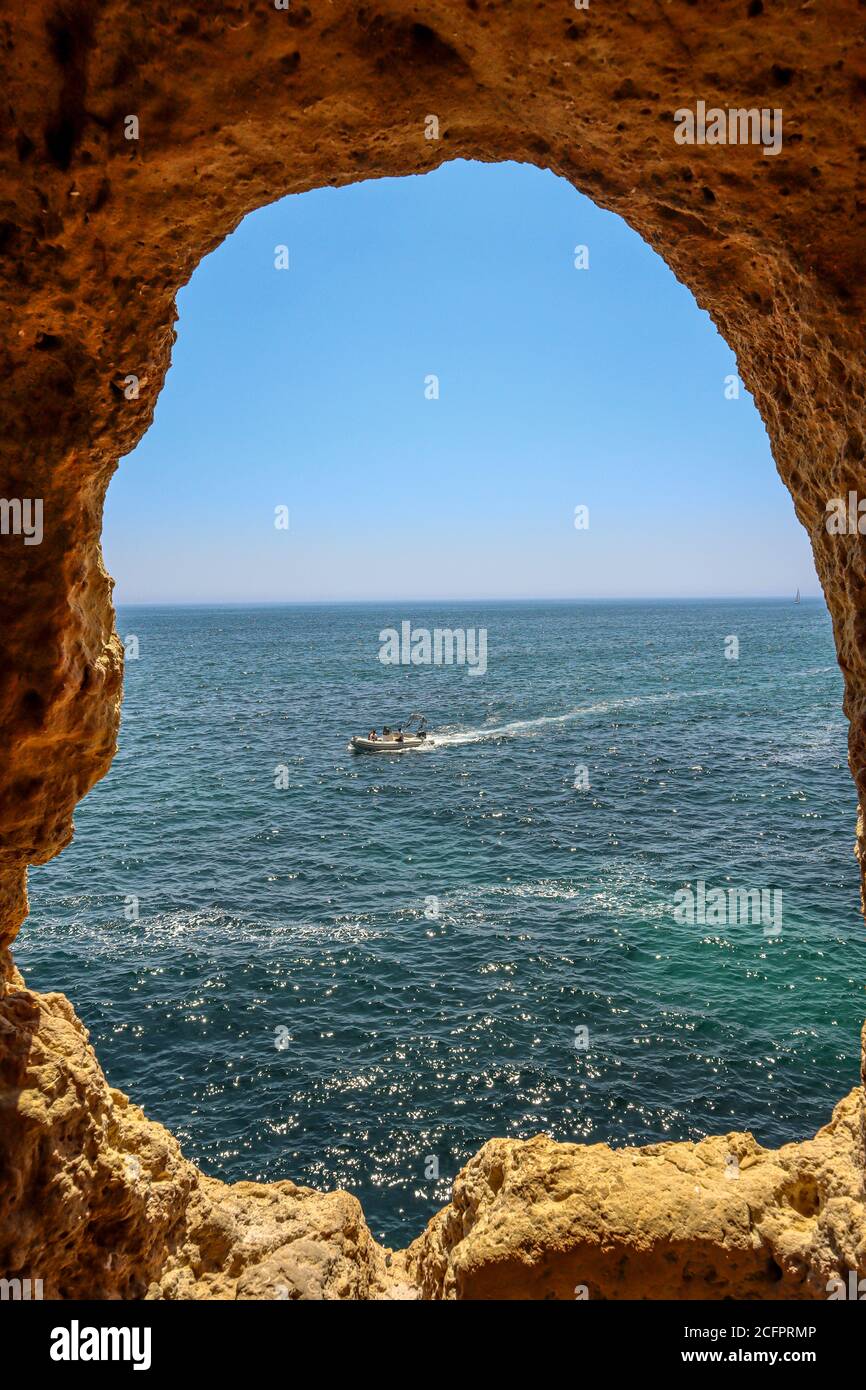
(102, 220)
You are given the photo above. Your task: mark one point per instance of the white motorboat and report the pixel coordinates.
(412, 733)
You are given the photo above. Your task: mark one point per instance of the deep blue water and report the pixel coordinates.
(298, 914)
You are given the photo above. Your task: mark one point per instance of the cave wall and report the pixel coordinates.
(238, 104)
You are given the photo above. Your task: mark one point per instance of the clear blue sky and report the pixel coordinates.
(558, 387)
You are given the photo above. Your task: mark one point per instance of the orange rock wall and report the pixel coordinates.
(238, 104)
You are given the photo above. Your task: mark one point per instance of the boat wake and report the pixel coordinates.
(519, 727)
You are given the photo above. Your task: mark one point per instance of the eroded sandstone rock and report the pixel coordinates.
(542, 1220)
(237, 105)
(97, 1201)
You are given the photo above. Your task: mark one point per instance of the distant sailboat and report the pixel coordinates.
(797, 596)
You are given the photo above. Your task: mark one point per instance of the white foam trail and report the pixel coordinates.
(456, 738)
(524, 726)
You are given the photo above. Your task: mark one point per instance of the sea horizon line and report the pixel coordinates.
(373, 602)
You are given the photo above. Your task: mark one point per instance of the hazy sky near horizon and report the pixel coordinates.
(559, 387)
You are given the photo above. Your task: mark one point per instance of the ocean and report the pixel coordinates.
(353, 970)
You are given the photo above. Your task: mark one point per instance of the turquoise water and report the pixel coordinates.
(422, 935)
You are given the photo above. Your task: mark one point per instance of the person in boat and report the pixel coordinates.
(373, 736)
(398, 737)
